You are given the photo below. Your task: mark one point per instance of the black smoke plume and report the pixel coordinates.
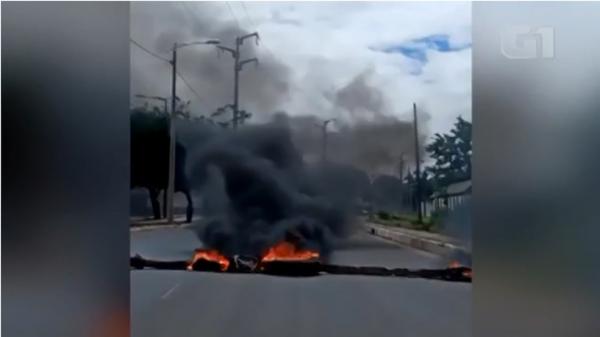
(257, 191)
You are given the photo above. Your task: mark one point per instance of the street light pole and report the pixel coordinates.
(236, 82)
(237, 67)
(172, 134)
(172, 140)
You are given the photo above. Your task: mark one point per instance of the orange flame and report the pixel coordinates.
(209, 255)
(285, 251)
(456, 264)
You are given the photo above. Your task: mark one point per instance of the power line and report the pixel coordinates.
(233, 15)
(189, 9)
(148, 51)
(183, 79)
(193, 13)
(189, 86)
(248, 15)
(255, 29)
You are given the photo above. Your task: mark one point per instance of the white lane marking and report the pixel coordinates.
(170, 291)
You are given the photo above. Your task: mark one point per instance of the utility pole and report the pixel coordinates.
(236, 82)
(418, 162)
(172, 135)
(323, 127)
(171, 182)
(237, 67)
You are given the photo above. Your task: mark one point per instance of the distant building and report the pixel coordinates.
(452, 196)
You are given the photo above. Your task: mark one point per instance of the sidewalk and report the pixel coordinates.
(141, 223)
(431, 242)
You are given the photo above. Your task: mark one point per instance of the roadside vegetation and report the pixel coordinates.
(431, 223)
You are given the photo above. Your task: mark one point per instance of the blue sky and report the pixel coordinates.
(418, 48)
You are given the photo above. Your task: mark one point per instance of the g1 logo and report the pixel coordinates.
(527, 42)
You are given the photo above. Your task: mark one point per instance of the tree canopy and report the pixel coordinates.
(452, 154)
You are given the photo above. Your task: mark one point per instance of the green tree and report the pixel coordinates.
(452, 154)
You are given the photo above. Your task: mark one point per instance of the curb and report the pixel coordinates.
(139, 228)
(425, 244)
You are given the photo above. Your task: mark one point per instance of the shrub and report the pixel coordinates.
(383, 215)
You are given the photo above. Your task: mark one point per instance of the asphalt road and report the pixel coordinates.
(179, 303)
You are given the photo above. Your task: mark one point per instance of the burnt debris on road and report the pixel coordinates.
(304, 268)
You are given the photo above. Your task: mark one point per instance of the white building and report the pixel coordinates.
(453, 196)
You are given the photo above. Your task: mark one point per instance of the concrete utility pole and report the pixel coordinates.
(323, 127)
(172, 135)
(418, 162)
(237, 67)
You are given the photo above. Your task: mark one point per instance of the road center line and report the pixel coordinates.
(168, 292)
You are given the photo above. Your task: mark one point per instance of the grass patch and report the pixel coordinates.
(410, 221)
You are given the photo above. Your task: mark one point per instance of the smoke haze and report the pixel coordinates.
(265, 88)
